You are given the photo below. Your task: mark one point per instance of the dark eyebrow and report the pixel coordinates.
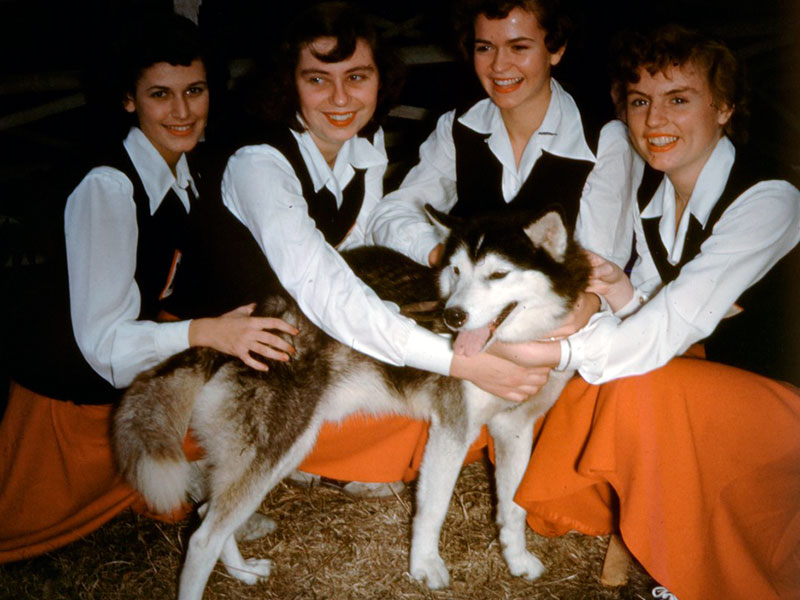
(324, 72)
(166, 87)
(511, 41)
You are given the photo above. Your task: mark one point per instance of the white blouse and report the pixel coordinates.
(401, 223)
(261, 189)
(662, 321)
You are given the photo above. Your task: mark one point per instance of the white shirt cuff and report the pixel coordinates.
(171, 338)
(429, 351)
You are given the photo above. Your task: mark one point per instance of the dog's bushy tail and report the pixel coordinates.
(149, 428)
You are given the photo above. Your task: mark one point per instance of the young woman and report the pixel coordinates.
(522, 147)
(695, 463)
(306, 192)
(124, 226)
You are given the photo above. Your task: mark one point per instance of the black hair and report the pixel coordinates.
(150, 38)
(277, 101)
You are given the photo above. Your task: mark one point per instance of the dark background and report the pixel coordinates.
(46, 131)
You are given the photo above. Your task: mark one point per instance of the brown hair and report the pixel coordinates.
(675, 46)
(556, 23)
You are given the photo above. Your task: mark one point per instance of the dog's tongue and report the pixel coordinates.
(471, 341)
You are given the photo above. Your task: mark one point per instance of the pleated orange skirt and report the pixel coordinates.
(696, 464)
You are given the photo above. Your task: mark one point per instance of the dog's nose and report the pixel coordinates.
(454, 317)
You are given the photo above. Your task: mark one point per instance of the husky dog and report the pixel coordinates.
(502, 279)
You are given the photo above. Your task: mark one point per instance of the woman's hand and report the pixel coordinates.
(609, 281)
(499, 376)
(587, 304)
(238, 334)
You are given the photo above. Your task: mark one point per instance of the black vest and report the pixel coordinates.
(554, 180)
(224, 266)
(46, 358)
(765, 337)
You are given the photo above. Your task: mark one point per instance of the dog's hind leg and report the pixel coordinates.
(441, 464)
(512, 432)
(215, 539)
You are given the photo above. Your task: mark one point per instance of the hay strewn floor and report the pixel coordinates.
(327, 547)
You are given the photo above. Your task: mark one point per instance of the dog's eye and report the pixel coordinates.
(497, 275)
(456, 271)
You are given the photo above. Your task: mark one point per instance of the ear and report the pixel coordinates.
(556, 56)
(724, 114)
(129, 104)
(549, 232)
(442, 221)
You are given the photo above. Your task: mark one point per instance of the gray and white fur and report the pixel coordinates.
(505, 279)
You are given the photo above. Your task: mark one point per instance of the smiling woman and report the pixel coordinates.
(125, 226)
(336, 99)
(171, 106)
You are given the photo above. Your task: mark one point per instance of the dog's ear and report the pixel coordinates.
(549, 232)
(442, 221)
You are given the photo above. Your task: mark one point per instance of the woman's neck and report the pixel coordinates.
(522, 122)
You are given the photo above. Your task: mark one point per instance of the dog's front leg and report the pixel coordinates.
(512, 432)
(441, 464)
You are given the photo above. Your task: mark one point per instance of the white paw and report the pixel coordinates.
(524, 564)
(256, 527)
(431, 571)
(253, 571)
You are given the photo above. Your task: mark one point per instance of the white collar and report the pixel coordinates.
(355, 153)
(155, 174)
(707, 191)
(561, 131)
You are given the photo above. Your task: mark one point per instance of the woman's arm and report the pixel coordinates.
(756, 231)
(399, 221)
(261, 190)
(606, 216)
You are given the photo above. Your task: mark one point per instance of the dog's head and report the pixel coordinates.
(511, 278)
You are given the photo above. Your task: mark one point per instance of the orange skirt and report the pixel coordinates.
(376, 449)
(696, 464)
(58, 479)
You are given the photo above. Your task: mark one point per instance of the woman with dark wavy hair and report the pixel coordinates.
(693, 462)
(125, 227)
(305, 192)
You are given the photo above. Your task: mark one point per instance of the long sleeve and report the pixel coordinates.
(101, 236)
(605, 219)
(399, 221)
(260, 188)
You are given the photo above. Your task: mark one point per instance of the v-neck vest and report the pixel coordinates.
(225, 267)
(66, 374)
(554, 180)
(765, 337)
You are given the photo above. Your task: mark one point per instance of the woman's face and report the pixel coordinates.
(171, 105)
(336, 99)
(673, 121)
(512, 62)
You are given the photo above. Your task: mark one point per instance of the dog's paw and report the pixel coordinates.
(253, 570)
(256, 527)
(431, 571)
(524, 564)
